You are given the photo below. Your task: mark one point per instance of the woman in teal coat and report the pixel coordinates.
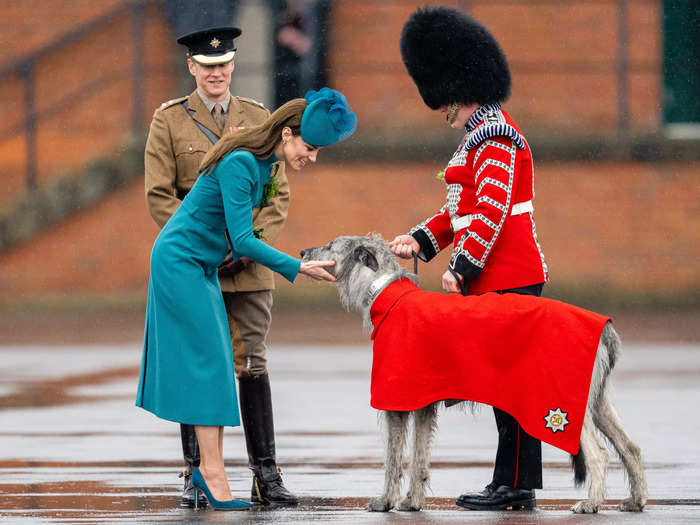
(187, 367)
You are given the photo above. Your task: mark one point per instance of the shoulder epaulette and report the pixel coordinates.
(487, 131)
(172, 102)
(252, 101)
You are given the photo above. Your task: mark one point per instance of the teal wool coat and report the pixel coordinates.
(187, 366)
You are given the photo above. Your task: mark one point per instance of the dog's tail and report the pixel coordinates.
(578, 463)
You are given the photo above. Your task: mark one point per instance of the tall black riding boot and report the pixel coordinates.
(190, 453)
(256, 412)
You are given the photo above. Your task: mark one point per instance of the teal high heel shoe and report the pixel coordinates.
(200, 484)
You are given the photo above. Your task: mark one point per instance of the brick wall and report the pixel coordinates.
(83, 90)
(27, 25)
(563, 58)
(618, 226)
(625, 226)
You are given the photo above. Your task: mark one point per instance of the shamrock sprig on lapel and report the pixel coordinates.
(271, 188)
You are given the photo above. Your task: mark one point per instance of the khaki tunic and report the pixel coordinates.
(174, 150)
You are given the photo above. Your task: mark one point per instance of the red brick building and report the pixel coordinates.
(590, 81)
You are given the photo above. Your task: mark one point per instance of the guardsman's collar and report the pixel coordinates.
(479, 115)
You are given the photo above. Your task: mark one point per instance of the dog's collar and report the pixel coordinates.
(377, 286)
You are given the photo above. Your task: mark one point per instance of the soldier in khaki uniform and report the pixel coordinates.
(181, 133)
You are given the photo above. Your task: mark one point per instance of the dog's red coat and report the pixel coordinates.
(526, 355)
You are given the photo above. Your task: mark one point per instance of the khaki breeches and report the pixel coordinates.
(249, 316)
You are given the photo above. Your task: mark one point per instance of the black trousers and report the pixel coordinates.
(519, 455)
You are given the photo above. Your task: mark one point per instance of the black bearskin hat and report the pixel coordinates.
(452, 58)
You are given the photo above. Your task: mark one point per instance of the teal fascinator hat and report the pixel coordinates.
(327, 118)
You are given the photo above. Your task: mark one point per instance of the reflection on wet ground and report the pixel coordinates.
(98, 503)
(73, 448)
(54, 392)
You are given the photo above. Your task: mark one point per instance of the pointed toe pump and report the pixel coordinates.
(201, 485)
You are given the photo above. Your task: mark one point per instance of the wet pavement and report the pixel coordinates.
(74, 449)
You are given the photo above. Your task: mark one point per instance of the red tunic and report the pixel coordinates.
(489, 174)
(529, 356)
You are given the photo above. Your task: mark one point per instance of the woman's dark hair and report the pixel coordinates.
(260, 140)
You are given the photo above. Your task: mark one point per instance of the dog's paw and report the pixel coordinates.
(409, 504)
(631, 505)
(585, 506)
(379, 505)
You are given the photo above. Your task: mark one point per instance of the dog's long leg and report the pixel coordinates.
(596, 458)
(396, 423)
(608, 422)
(423, 430)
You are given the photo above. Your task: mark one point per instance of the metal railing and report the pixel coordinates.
(26, 65)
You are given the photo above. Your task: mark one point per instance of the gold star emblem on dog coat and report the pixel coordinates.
(215, 43)
(556, 420)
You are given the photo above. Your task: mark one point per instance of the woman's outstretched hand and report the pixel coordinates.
(315, 270)
(404, 246)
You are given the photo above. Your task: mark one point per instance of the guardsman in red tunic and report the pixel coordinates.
(460, 70)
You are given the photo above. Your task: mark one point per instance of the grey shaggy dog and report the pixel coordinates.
(364, 265)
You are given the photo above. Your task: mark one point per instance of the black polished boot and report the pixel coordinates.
(190, 453)
(256, 413)
(498, 497)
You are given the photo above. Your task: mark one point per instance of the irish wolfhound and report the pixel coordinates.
(364, 266)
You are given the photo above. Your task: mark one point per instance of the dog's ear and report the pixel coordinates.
(366, 257)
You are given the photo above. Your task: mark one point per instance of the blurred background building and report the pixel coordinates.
(607, 92)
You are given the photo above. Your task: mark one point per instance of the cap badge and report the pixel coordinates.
(215, 43)
(556, 420)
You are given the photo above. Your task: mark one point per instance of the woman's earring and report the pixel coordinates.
(452, 113)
